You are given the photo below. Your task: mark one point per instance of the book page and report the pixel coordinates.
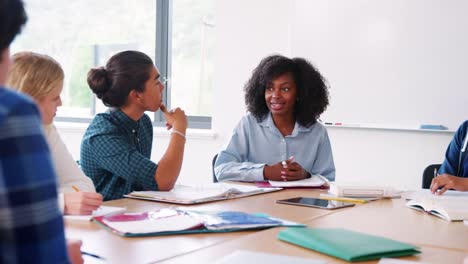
(102, 210)
(202, 192)
(314, 181)
(450, 206)
(426, 192)
(454, 208)
(150, 224)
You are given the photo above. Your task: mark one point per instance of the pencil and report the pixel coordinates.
(343, 199)
(75, 188)
(92, 255)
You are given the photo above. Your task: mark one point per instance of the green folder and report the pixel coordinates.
(345, 244)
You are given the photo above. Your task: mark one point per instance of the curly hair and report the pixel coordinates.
(312, 88)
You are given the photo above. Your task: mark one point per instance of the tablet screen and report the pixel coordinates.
(315, 202)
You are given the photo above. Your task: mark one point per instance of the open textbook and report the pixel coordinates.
(168, 221)
(450, 206)
(182, 194)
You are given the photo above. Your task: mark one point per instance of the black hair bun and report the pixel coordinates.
(98, 81)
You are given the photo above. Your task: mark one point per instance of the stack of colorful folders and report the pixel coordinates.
(345, 244)
(171, 221)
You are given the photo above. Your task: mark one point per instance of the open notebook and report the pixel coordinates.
(182, 194)
(168, 221)
(451, 206)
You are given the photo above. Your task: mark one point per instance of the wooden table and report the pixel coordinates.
(392, 219)
(441, 241)
(118, 249)
(266, 242)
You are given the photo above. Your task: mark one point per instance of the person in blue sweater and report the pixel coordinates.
(453, 173)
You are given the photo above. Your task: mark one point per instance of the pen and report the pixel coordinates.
(342, 124)
(436, 173)
(141, 195)
(75, 188)
(348, 125)
(464, 145)
(343, 199)
(92, 255)
(285, 164)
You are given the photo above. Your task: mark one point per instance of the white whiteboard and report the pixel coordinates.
(388, 62)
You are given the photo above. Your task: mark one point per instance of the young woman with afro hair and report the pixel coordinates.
(280, 139)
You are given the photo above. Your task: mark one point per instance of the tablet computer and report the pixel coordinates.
(315, 202)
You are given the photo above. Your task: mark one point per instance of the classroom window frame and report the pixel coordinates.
(163, 62)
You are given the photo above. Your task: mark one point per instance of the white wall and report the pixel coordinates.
(392, 63)
(248, 31)
(385, 157)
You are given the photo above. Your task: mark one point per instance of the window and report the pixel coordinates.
(177, 34)
(192, 50)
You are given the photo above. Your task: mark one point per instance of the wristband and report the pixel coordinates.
(178, 133)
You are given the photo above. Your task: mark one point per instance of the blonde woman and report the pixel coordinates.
(41, 77)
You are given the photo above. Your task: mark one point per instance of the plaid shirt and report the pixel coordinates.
(116, 152)
(31, 225)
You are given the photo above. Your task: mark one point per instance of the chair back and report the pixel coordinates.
(428, 174)
(212, 168)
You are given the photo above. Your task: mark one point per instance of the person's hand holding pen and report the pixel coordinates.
(81, 203)
(74, 251)
(443, 182)
(286, 170)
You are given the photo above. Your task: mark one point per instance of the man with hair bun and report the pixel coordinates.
(116, 147)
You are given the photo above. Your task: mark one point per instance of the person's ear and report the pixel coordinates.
(4, 65)
(134, 96)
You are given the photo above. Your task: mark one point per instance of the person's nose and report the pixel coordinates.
(276, 93)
